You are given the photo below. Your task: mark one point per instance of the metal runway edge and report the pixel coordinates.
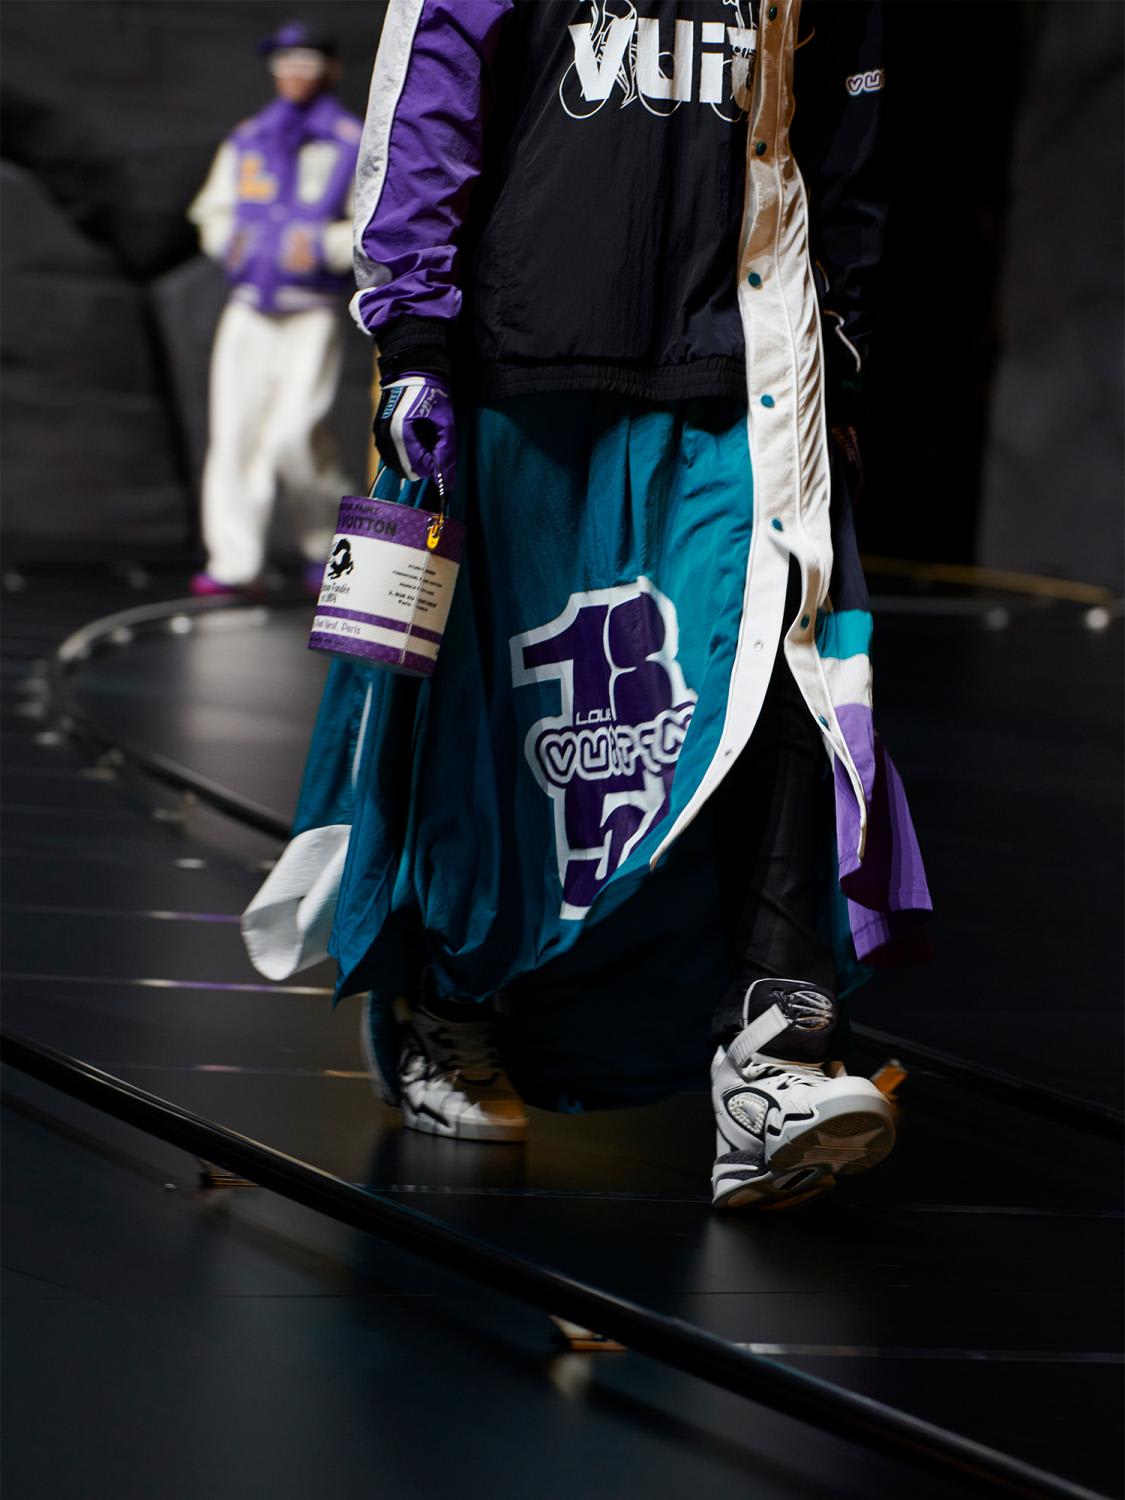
(118, 630)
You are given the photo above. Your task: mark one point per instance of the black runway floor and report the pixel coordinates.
(166, 1339)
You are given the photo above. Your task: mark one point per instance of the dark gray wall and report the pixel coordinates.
(90, 445)
(112, 110)
(1053, 498)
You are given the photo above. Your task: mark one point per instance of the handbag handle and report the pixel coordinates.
(437, 523)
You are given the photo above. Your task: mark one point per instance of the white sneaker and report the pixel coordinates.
(787, 1129)
(452, 1082)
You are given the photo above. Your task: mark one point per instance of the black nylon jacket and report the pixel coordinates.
(595, 244)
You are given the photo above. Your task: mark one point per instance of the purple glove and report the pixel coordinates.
(414, 430)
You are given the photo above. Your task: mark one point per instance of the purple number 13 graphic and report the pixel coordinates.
(607, 759)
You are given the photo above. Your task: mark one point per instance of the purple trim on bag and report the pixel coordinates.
(387, 656)
(381, 620)
(392, 521)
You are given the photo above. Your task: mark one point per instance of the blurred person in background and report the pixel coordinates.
(607, 301)
(275, 212)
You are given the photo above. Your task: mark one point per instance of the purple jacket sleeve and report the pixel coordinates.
(420, 154)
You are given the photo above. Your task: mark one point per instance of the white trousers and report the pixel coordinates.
(273, 381)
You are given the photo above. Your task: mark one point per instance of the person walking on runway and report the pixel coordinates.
(623, 326)
(275, 212)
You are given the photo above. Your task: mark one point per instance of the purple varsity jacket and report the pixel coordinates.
(294, 171)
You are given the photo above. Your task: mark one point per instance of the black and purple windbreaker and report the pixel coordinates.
(665, 200)
(551, 194)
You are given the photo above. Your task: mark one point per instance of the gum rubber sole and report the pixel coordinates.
(807, 1165)
(845, 1144)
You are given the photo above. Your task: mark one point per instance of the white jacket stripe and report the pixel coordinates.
(387, 80)
(786, 428)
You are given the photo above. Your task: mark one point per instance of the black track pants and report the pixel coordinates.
(770, 819)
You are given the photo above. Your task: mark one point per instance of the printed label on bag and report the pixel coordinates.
(380, 582)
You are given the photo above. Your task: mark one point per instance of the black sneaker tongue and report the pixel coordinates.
(812, 1014)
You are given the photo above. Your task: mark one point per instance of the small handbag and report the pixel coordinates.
(389, 579)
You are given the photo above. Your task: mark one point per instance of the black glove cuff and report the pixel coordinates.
(415, 344)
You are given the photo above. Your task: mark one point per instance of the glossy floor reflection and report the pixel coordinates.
(164, 1339)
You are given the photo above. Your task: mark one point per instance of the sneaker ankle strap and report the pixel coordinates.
(758, 1034)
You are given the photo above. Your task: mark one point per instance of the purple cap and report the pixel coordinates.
(297, 34)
